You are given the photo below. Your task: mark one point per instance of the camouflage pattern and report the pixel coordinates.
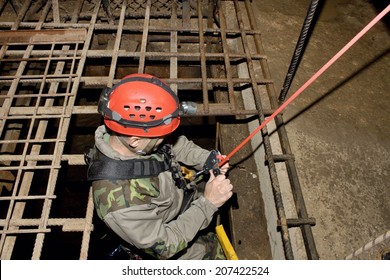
(113, 195)
(161, 251)
(213, 247)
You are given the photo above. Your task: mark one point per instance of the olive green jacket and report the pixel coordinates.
(145, 212)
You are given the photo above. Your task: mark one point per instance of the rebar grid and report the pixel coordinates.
(31, 138)
(44, 79)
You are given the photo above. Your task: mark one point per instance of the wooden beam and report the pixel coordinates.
(39, 36)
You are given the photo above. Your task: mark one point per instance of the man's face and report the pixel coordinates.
(159, 141)
(143, 142)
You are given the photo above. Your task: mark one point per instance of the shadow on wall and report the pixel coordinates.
(380, 5)
(328, 10)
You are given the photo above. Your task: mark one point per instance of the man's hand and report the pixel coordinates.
(224, 168)
(218, 189)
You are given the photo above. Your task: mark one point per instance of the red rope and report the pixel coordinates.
(311, 80)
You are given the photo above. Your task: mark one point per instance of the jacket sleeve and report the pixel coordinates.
(144, 227)
(190, 154)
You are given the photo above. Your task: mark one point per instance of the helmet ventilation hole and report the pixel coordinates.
(126, 107)
(142, 100)
(152, 117)
(148, 108)
(132, 116)
(158, 109)
(137, 108)
(142, 116)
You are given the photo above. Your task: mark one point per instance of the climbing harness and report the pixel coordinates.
(101, 167)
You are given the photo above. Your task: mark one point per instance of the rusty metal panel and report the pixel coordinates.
(28, 138)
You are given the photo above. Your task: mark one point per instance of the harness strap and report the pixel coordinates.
(103, 167)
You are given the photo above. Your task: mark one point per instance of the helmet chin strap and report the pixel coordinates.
(142, 152)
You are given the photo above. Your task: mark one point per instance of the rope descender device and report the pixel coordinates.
(212, 163)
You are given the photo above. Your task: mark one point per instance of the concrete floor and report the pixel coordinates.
(339, 127)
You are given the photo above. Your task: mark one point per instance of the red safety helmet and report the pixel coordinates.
(140, 105)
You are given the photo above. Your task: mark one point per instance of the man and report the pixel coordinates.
(137, 185)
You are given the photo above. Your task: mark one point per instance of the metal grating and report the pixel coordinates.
(57, 56)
